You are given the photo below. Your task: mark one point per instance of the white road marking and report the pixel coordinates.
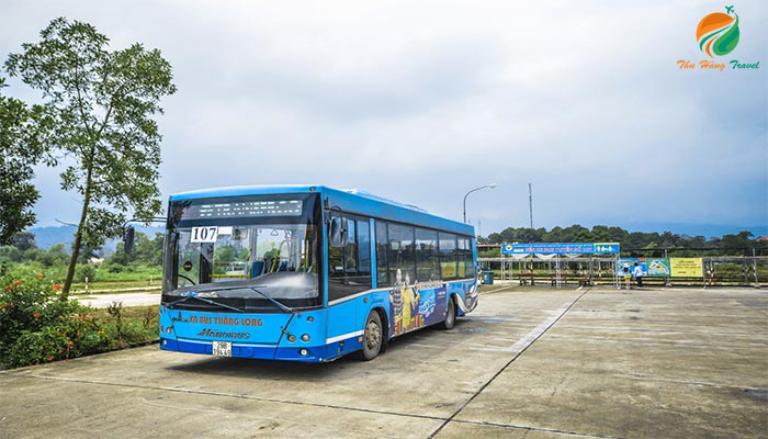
(497, 289)
(529, 338)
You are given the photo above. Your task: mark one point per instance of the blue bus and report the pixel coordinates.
(308, 273)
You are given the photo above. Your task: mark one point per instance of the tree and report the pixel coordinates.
(146, 251)
(102, 105)
(736, 244)
(24, 241)
(21, 149)
(149, 251)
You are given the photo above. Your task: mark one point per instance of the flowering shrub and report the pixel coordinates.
(37, 327)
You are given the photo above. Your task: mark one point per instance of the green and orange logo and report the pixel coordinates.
(718, 33)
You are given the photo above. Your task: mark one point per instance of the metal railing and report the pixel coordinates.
(561, 271)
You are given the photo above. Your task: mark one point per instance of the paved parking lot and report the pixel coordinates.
(527, 363)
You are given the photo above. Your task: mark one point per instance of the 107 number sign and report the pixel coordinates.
(205, 234)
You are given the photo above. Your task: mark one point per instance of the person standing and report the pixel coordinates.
(626, 277)
(637, 272)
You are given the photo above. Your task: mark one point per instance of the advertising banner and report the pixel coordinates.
(658, 267)
(652, 267)
(629, 264)
(686, 267)
(560, 248)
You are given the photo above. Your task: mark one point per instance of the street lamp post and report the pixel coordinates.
(487, 186)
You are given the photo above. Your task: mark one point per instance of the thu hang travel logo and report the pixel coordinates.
(718, 35)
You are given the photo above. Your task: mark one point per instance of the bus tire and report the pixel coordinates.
(450, 317)
(373, 337)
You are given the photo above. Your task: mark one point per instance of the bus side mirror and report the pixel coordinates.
(338, 231)
(128, 235)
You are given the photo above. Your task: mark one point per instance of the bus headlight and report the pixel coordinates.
(291, 338)
(303, 352)
(305, 337)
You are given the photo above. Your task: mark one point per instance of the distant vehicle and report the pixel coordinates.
(308, 273)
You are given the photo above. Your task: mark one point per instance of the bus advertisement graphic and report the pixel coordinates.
(686, 267)
(413, 306)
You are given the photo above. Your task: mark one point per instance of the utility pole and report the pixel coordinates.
(530, 202)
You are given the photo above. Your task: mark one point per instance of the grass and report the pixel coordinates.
(133, 313)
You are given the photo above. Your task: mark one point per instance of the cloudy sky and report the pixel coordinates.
(421, 101)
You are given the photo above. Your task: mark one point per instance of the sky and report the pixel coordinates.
(421, 101)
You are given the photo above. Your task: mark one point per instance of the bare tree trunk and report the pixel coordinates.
(79, 234)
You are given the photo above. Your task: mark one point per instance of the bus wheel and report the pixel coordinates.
(373, 336)
(450, 318)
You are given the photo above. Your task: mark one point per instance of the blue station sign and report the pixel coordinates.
(560, 248)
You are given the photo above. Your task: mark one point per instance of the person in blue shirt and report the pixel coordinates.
(637, 273)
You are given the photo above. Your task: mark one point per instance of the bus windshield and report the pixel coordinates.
(242, 244)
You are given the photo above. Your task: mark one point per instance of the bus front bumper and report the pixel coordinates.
(262, 352)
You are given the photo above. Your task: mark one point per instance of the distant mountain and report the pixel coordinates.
(46, 236)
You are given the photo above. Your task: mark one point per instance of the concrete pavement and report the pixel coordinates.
(535, 364)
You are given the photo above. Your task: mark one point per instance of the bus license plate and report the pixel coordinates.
(222, 349)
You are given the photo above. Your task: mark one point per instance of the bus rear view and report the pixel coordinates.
(247, 274)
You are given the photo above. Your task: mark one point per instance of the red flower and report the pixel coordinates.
(16, 283)
(36, 315)
(56, 286)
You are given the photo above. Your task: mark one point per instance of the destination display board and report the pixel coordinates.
(243, 209)
(549, 248)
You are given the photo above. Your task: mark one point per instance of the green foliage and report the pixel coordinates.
(145, 252)
(21, 147)
(35, 327)
(86, 273)
(24, 241)
(727, 245)
(100, 106)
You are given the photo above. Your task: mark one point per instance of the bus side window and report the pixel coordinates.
(447, 249)
(364, 247)
(349, 259)
(426, 255)
(401, 254)
(464, 259)
(382, 267)
(469, 261)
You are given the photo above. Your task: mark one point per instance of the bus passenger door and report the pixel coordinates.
(347, 235)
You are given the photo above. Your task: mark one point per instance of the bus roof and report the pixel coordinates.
(347, 200)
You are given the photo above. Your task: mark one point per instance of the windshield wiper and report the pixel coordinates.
(203, 299)
(273, 300)
(194, 295)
